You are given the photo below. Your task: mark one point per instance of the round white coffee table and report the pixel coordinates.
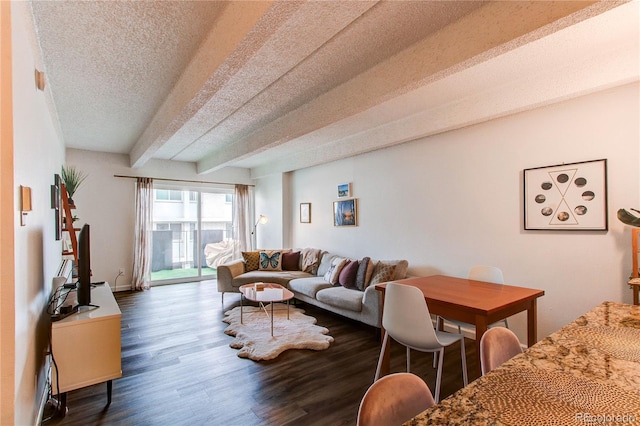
(265, 293)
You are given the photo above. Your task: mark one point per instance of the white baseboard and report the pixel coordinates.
(468, 333)
(44, 397)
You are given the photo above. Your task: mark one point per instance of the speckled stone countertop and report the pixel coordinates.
(588, 372)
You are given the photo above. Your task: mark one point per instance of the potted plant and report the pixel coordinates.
(72, 178)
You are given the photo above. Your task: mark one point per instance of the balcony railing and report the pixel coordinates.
(176, 255)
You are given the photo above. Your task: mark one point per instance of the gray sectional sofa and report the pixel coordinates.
(318, 277)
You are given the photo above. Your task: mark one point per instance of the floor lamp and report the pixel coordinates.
(261, 220)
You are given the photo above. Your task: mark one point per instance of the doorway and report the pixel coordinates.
(192, 233)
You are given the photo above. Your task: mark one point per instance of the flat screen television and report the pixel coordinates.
(84, 267)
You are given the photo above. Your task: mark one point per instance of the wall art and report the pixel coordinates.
(305, 212)
(345, 212)
(344, 190)
(566, 197)
(56, 205)
(25, 203)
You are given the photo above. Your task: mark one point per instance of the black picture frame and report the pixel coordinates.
(56, 202)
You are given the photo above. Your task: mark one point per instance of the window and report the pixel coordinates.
(167, 195)
(185, 222)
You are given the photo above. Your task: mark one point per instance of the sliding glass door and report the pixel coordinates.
(192, 233)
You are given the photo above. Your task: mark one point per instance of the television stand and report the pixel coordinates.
(86, 347)
(86, 306)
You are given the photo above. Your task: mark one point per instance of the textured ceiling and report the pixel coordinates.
(276, 86)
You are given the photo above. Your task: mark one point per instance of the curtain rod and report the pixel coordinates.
(176, 180)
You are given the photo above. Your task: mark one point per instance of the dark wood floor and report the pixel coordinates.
(178, 369)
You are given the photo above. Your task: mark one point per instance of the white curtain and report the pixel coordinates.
(143, 234)
(242, 220)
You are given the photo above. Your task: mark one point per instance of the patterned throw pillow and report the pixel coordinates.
(333, 273)
(270, 261)
(361, 274)
(347, 277)
(382, 273)
(251, 260)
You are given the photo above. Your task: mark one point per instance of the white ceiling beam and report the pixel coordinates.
(487, 32)
(232, 26)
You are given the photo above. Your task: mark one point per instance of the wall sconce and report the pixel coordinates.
(40, 81)
(25, 203)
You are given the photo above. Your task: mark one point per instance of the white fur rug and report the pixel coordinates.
(254, 340)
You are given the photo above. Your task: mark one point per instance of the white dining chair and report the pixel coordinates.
(394, 400)
(406, 320)
(497, 346)
(489, 274)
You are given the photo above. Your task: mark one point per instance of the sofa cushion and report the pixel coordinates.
(382, 273)
(348, 274)
(341, 297)
(361, 273)
(308, 286)
(277, 277)
(325, 263)
(270, 260)
(370, 267)
(310, 260)
(291, 261)
(251, 260)
(333, 273)
(401, 267)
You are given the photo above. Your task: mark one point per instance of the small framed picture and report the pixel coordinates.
(345, 212)
(566, 197)
(305, 212)
(344, 190)
(25, 198)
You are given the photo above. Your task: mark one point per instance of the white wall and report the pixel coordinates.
(269, 201)
(38, 155)
(454, 200)
(107, 204)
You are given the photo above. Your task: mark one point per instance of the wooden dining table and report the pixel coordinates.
(588, 372)
(475, 302)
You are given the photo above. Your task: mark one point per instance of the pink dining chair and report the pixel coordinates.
(394, 399)
(497, 346)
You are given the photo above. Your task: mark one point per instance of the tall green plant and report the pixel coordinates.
(72, 178)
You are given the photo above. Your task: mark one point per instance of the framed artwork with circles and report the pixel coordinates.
(566, 197)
